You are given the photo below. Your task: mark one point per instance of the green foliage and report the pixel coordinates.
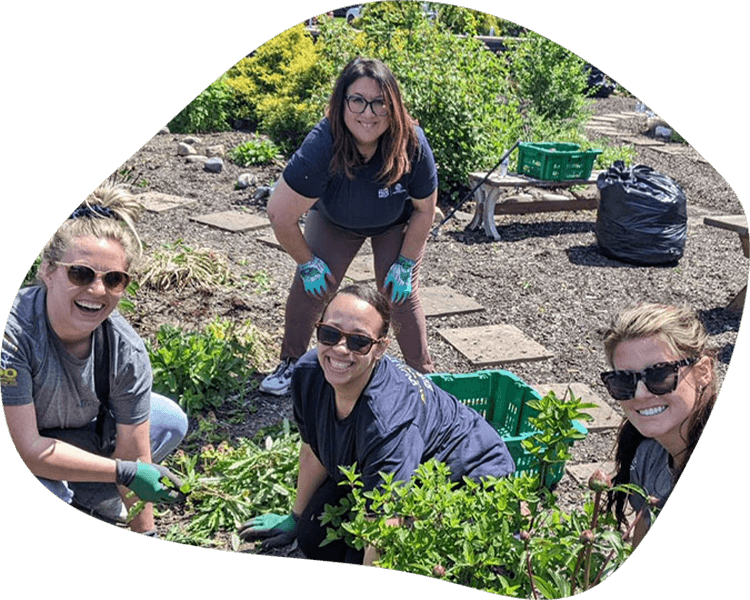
(504, 536)
(32, 273)
(234, 481)
(273, 88)
(208, 112)
(203, 369)
(551, 443)
(551, 78)
(254, 152)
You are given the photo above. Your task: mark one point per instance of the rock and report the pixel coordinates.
(164, 130)
(192, 140)
(185, 149)
(212, 151)
(196, 158)
(213, 165)
(245, 180)
(262, 192)
(439, 216)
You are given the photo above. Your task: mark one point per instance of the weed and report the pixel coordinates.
(254, 152)
(176, 265)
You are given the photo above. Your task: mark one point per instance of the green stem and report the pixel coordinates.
(625, 535)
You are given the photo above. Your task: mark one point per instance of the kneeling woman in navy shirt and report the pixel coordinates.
(353, 403)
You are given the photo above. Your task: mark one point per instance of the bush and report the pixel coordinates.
(551, 79)
(270, 89)
(208, 112)
(202, 369)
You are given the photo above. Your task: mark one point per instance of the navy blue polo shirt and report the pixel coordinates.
(400, 421)
(363, 205)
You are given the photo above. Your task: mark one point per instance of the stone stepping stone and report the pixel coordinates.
(493, 345)
(605, 417)
(644, 141)
(158, 202)
(440, 301)
(582, 472)
(269, 238)
(605, 118)
(603, 129)
(233, 220)
(361, 269)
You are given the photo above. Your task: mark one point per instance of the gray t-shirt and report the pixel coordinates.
(650, 470)
(36, 368)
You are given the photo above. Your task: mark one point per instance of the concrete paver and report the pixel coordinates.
(491, 345)
(441, 300)
(233, 220)
(158, 202)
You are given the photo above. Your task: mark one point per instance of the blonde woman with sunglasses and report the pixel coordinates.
(663, 375)
(76, 378)
(355, 404)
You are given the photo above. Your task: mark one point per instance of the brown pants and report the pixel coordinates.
(338, 247)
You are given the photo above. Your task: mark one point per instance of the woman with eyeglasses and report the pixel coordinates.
(664, 378)
(365, 171)
(76, 378)
(355, 404)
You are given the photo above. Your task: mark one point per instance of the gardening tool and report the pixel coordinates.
(503, 158)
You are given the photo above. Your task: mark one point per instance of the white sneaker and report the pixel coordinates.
(279, 382)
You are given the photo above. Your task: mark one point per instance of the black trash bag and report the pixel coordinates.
(642, 216)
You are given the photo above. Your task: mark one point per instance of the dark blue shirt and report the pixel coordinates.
(400, 421)
(363, 205)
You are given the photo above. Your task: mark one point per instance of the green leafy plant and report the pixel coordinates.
(505, 536)
(254, 152)
(234, 481)
(203, 369)
(550, 445)
(210, 111)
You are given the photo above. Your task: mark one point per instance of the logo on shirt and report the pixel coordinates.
(8, 377)
(397, 190)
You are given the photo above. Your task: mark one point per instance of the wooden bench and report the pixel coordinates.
(736, 223)
(489, 202)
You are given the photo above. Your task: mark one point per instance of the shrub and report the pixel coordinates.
(208, 112)
(551, 78)
(270, 88)
(202, 369)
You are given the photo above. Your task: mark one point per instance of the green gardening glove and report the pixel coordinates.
(274, 530)
(399, 275)
(150, 482)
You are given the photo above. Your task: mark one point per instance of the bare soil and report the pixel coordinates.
(546, 276)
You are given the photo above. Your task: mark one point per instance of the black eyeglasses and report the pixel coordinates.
(329, 335)
(358, 105)
(659, 379)
(114, 281)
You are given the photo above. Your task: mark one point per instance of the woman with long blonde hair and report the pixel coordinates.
(76, 384)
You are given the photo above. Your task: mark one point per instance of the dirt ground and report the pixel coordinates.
(546, 276)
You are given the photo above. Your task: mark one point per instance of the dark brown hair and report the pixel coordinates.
(370, 295)
(398, 144)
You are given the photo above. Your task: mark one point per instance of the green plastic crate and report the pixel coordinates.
(555, 161)
(502, 398)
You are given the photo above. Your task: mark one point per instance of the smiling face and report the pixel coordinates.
(366, 128)
(348, 372)
(76, 311)
(663, 418)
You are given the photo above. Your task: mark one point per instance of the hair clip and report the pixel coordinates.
(88, 211)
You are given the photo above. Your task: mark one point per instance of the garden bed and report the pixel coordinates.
(545, 276)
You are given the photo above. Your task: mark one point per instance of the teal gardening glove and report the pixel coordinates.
(313, 274)
(145, 479)
(274, 530)
(399, 275)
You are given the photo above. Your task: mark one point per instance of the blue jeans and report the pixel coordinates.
(168, 426)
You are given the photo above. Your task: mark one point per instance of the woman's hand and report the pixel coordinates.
(315, 275)
(274, 530)
(399, 278)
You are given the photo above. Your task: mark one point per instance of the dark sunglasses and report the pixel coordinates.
(329, 335)
(114, 281)
(659, 379)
